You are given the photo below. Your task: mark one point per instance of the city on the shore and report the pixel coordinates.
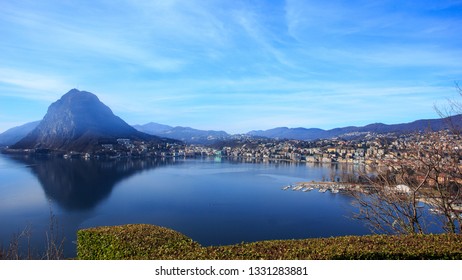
(370, 149)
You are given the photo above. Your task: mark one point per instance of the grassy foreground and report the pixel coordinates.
(153, 242)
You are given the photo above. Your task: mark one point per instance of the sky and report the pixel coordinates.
(233, 65)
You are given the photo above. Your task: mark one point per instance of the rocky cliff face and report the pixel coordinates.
(77, 122)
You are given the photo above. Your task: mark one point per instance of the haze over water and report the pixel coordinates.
(213, 201)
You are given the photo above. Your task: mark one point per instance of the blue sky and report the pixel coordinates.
(233, 65)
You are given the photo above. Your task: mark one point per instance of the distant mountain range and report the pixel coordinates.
(353, 131)
(79, 121)
(13, 135)
(185, 134)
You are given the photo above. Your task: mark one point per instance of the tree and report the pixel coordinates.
(450, 112)
(428, 171)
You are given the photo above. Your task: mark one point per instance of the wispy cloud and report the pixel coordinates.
(286, 103)
(234, 63)
(32, 85)
(375, 34)
(74, 38)
(264, 38)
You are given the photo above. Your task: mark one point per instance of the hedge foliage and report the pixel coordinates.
(154, 242)
(134, 242)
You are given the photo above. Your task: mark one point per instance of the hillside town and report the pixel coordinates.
(369, 150)
(372, 149)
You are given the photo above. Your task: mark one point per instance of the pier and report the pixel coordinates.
(333, 187)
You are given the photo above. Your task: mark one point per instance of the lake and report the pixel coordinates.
(214, 201)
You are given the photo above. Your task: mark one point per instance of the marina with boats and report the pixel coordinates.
(336, 187)
(322, 187)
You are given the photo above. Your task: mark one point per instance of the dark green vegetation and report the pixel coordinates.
(134, 242)
(154, 242)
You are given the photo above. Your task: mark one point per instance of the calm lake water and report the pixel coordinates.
(213, 201)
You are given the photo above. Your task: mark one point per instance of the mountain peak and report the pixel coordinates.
(81, 103)
(75, 92)
(75, 96)
(76, 122)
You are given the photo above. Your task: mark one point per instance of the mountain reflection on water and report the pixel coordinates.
(78, 184)
(215, 201)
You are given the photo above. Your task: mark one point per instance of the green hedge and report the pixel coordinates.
(134, 242)
(154, 242)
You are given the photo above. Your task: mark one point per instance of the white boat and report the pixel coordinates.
(297, 188)
(334, 191)
(435, 211)
(286, 188)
